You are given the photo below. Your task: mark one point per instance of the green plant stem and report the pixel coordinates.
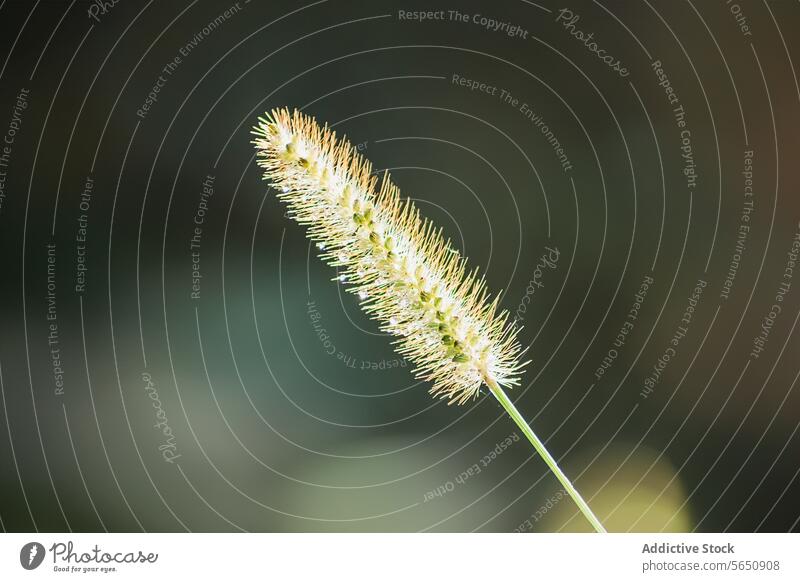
(515, 415)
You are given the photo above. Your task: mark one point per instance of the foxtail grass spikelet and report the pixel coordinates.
(405, 273)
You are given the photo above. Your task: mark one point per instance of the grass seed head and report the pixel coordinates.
(407, 276)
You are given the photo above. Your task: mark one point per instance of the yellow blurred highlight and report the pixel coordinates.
(640, 494)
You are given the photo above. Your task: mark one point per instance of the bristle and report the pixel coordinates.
(406, 274)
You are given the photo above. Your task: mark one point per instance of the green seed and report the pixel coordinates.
(461, 358)
(447, 340)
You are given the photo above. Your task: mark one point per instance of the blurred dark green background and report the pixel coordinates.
(286, 410)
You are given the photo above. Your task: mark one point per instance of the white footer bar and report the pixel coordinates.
(406, 557)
